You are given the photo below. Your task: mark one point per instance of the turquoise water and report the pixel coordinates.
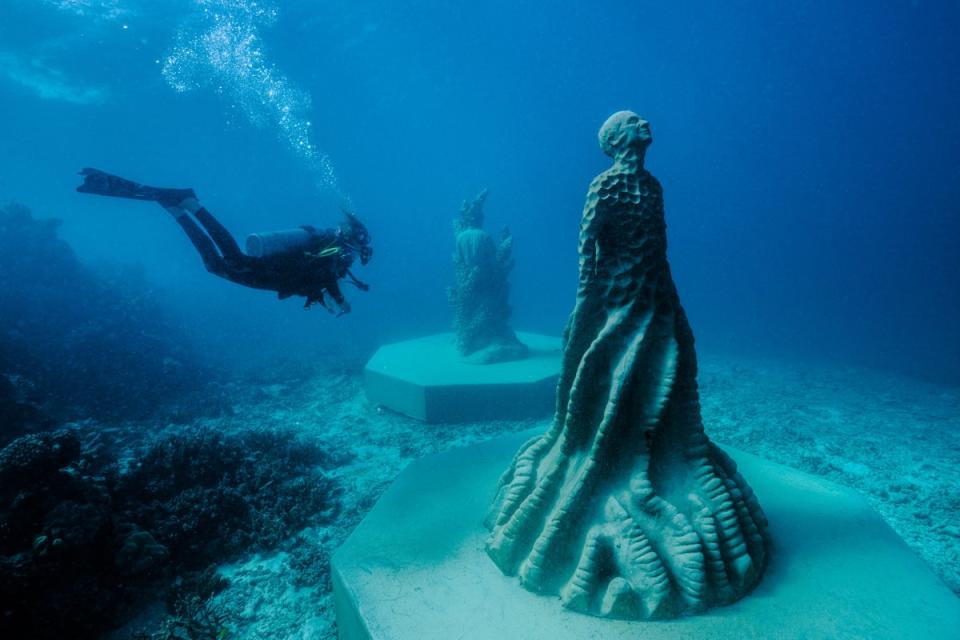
(810, 158)
(808, 153)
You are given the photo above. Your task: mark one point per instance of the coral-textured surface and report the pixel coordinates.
(480, 298)
(624, 507)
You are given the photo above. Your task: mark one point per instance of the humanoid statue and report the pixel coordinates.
(625, 508)
(480, 298)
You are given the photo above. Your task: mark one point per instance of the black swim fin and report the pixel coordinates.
(102, 183)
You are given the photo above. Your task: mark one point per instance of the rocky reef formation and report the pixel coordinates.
(480, 298)
(62, 321)
(625, 508)
(85, 534)
(57, 541)
(20, 412)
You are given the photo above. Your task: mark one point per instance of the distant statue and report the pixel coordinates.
(480, 298)
(624, 508)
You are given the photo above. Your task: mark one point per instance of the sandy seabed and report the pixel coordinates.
(894, 439)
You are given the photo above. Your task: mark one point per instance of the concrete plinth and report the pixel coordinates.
(415, 568)
(427, 379)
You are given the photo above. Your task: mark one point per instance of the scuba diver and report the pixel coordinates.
(296, 262)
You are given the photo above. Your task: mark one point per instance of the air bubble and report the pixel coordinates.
(220, 49)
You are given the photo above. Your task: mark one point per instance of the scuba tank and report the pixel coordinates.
(261, 245)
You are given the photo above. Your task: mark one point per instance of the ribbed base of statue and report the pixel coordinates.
(625, 509)
(644, 553)
(416, 568)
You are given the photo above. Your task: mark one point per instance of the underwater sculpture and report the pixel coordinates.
(480, 299)
(624, 507)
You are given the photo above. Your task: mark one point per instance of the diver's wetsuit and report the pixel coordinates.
(312, 270)
(301, 272)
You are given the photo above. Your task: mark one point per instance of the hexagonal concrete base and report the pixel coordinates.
(415, 568)
(427, 379)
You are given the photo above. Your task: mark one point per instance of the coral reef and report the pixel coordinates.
(206, 495)
(84, 535)
(192, 619)
(61, 321)
(19, 412)
(480, 299)
(56, 539)
(624, 508)
(310, 563)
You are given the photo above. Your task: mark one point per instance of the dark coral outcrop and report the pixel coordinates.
(85, 535)
(56, 534)
(206, 495)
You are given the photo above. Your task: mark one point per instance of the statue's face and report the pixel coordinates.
(624, 130)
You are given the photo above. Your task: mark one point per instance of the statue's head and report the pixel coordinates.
(622, 131)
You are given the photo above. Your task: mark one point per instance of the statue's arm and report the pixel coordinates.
(505, 249)
(591, 228)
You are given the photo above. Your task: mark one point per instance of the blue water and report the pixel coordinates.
(810, 158)
(810, 153)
